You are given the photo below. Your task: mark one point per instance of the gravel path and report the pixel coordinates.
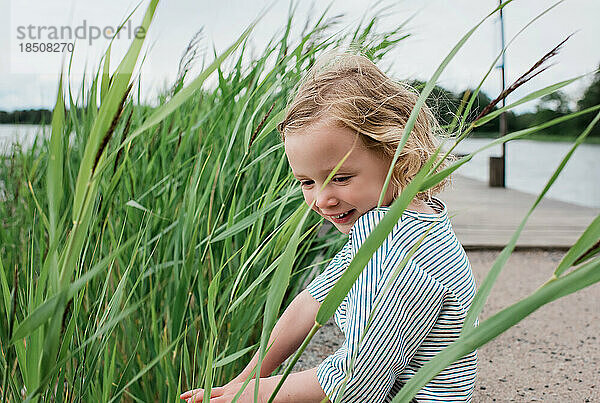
(553, 355)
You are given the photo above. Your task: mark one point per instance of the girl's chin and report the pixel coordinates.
(344, 228)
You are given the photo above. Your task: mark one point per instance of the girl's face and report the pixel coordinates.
(314, 152)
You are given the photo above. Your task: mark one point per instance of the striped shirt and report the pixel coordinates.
(419, 313)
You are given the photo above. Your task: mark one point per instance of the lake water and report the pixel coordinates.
(529, 164)
(19, 134)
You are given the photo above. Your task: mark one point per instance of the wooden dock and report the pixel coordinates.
(485, 217)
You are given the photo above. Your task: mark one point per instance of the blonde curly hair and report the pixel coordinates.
(350, 91)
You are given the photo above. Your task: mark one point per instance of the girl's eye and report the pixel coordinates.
(341, 179)
(337, 179)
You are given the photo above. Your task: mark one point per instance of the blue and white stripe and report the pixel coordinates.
(416, 317)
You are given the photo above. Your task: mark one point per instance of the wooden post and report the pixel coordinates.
(497, 172)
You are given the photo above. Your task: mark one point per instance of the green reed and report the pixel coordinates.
(140, 245)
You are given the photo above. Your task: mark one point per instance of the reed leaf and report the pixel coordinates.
(101, 331)
(493, 65)
(233, 357)
(42, 313)
(105, 83)
(586, 241)
(186, 93)
(425, 93)
(279, 284)
(487, 330)
(486, 286)
(54, 182)
(5, 291)
(436, 178)
(529, 97)
(374, 311)
(341, 288)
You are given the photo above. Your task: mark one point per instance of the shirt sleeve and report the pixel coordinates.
(320, 286)
(403, 315)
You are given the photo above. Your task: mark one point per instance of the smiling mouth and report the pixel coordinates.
(341, 215)
(343, 218)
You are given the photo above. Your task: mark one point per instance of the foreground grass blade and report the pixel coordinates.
(54, 182)
(371, 244)
(233, 357)
(374, 311)
(486, 287)
(425, 93)
(493, 65)
(587, 241)
(341, 288)
(493, 114)
(42, 313)
(279, 284)
(183, 95)
(107, 112)
(85, 190)
(100, 332)
(5, 290)
(105, 83)
(584, 276)
(436, 178)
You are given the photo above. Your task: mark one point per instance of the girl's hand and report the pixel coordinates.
(225, 394)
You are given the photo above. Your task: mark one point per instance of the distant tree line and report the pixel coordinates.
(445, 104)
(29, 116)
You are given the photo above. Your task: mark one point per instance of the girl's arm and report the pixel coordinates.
(298, 387)
(287, 335)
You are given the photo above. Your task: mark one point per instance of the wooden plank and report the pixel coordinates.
(486, 217)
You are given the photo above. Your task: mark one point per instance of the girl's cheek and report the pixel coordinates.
(307, 196)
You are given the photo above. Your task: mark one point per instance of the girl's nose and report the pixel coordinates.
(326, 199)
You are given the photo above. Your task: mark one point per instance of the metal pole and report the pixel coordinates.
(498, 164)
(503, 115)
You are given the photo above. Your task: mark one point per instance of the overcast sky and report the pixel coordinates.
(29, 80)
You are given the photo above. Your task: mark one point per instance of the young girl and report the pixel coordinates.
(345, 103)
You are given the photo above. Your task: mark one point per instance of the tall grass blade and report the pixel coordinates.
(233, 357)
(374, 311)
(473, 98)
(529, 97)
(486, 287)
(5, 291)
(584, 276)
(54, 181)
(105, 83)
(186, 93)
(587, 241)
(341, 288)
(425, 93)
(279, 284)
(42, 313)
(436, 178)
